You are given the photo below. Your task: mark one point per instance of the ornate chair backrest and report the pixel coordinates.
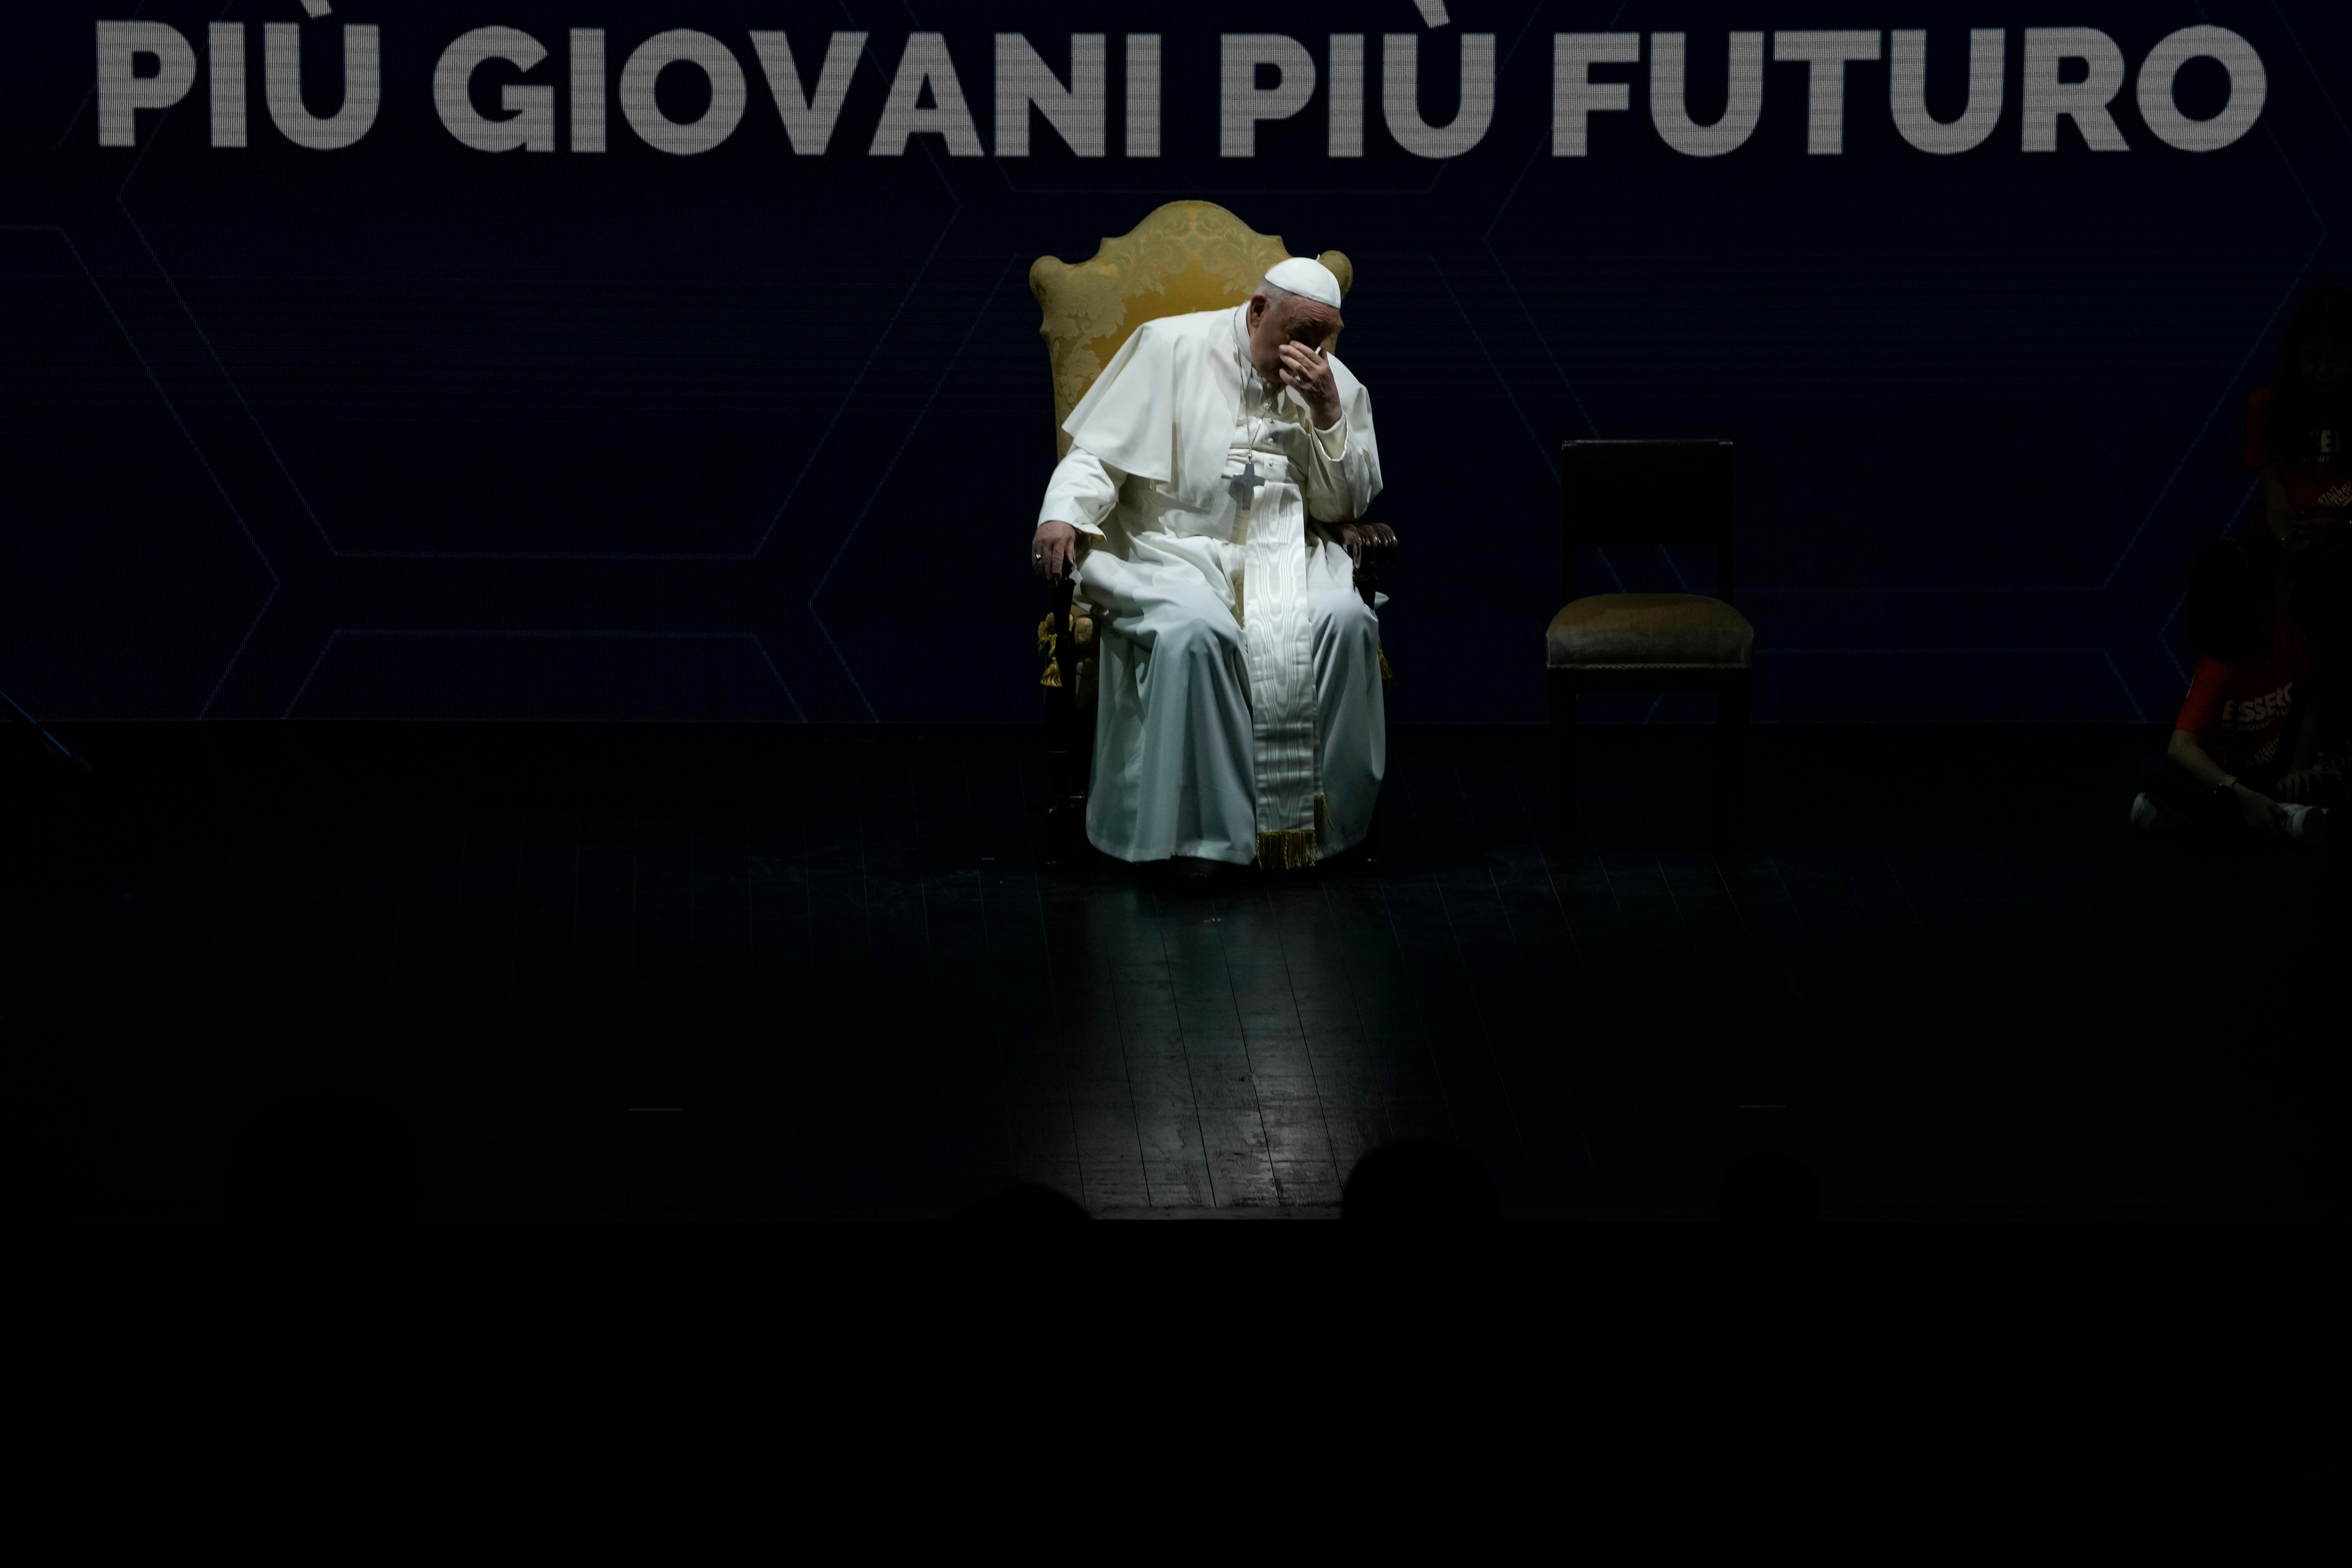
(1187, 256)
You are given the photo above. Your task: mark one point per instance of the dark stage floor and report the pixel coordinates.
(677, 972)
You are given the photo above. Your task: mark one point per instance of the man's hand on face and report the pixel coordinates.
(1054, 548)
(1309, 372)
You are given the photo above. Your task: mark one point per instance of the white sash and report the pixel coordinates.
(1278, 634)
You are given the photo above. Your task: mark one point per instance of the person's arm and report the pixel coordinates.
(1338, 486)
(2256, 809)
(2278, 519)
(1341, 475)
(1083, 490)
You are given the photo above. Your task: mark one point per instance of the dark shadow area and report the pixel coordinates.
(323, 1158)
(2294, 1521)
(1771, 1189)
(703, 971)
(1421, 1180)
(1021, 1203)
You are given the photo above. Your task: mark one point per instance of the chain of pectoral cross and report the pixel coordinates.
(1245, 483)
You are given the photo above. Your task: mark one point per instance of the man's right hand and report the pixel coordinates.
(1055, 550)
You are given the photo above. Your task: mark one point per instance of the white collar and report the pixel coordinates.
(1250, 377)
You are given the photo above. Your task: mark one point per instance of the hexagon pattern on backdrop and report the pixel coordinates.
(409, 429)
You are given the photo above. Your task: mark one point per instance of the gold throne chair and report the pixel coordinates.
(1184, 257)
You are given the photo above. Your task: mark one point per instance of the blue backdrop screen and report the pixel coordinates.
(445, 360)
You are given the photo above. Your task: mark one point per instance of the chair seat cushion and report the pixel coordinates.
(1649, 630)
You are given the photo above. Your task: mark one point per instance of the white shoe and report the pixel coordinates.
(2149, 816)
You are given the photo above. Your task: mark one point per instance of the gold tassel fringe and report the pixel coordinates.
(1047, 643)
(1387, 674)
(1293, 848)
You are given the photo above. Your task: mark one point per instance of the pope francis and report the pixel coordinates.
(1207, 508)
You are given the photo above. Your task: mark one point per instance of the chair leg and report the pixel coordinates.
(1081, 775)
(1062, 774)
(1559, 770)
(1069, 743)
(1057, 789)
(1731, 705)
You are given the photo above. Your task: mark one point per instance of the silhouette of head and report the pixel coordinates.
(2309, 1510)
(2315, 382)
(1770, 1189)
(1023, 1203)
(1420, 1179)
(323, 1157)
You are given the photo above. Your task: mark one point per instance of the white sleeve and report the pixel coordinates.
(1343, 469)
(1334, 440)
(1083, 490)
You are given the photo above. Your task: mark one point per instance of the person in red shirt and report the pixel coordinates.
(2295, 438)
(2243, 754)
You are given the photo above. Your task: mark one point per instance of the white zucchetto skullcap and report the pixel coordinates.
(1311, 279)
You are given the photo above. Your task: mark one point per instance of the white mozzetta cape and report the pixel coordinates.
(1163, 409)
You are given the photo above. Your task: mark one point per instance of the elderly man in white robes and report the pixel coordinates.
(1208, 508)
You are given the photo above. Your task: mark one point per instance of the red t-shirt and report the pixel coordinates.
(2319, 492)
(2238, 711)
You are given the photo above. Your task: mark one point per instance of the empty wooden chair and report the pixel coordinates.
(1649, 493)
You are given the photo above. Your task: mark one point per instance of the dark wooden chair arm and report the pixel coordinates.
(1373, 545)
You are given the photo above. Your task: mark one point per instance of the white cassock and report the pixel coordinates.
(1240, 712)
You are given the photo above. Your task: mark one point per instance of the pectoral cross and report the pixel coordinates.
(1245, 483)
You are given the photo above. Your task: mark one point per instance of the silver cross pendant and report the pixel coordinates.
(1246, 482)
